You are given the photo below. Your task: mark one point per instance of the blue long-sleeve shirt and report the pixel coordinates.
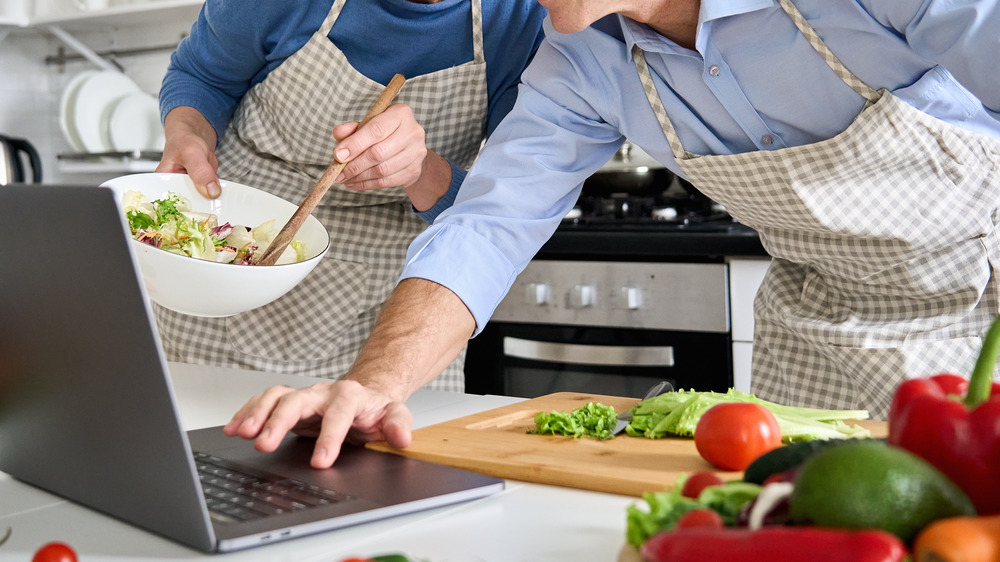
(753, 83)
(235, 44)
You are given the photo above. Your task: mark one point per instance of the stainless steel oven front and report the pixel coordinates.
(607, 327)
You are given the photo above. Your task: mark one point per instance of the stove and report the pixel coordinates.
(633, 287)
(680, 222)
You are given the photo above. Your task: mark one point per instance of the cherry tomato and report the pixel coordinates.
(698, 482)
(55, 552)
(731, 435)
(700, 517)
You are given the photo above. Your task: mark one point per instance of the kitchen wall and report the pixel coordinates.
(32, 88)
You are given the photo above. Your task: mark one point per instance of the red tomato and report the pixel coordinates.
(55, 552)
(732, 434)
(698, 482)
(700, 517)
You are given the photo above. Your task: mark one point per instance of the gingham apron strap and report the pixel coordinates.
(654, 101)
(831, 59)
(331, 17)
(479, 53)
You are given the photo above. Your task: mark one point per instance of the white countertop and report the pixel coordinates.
(525, 522)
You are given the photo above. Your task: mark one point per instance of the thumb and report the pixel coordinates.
(397, 425)
(205, 180)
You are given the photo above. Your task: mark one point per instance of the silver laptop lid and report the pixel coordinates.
(86, 409)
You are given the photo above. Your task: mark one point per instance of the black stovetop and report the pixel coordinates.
(675, 225)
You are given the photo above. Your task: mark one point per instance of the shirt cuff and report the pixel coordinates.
(481, 277)
(448, 199)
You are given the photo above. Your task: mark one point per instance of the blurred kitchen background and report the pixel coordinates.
(47, 46)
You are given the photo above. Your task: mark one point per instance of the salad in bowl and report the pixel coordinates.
(171, 224)
(186, 245)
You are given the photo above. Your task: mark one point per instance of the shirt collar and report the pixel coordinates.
(647, 39)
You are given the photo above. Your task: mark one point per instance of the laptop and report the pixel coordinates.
(87, 411)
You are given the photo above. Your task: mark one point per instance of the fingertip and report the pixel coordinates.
(398, 435)
(400, 439)
(344, 130)
(212, 190)
(322, 457)
(248, 429)
(267, 441)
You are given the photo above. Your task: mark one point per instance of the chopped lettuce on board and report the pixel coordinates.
(676, 414)
(592, 420)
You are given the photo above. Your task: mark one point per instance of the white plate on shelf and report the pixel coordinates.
(67, 120)
(94, 103)
(134, 123)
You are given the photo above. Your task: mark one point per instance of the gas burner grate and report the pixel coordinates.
(660, 211)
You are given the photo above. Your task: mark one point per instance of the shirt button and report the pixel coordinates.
(766, 139)
(713, 70)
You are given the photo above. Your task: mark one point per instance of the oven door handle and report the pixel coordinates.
(614, 355)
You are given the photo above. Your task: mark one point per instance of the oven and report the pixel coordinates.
(634, 287)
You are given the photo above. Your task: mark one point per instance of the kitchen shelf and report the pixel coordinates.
(9, 21)
(127, 162)
(136, 13)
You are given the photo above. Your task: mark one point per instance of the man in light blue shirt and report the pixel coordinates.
(861, 138)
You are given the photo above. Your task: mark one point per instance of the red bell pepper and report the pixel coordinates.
(954, 424)
(773, 544)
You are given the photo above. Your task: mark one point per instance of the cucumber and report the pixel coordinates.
(787, 457)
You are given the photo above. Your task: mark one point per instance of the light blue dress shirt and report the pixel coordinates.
(754, 83)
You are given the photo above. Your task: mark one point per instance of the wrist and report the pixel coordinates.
(185, 120)
(433, 183)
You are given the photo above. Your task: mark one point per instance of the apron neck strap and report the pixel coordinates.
(477, 32)
(657, 104)
(831, 59)
(331, 17)
(838, 67)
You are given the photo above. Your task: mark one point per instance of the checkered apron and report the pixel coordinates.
(280, 141)
(884, 241)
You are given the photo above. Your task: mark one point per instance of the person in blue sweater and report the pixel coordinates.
(264, 92)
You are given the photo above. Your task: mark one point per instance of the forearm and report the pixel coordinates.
(421, 329)
(433, 183)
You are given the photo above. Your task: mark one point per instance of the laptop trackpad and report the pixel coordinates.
(382, 478)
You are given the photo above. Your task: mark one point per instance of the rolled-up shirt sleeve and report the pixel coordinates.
(466, 263)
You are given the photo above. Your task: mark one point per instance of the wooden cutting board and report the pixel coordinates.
(496, 443)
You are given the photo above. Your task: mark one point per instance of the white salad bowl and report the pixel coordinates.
(206, 288)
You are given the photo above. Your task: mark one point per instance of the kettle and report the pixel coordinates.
(12, 169)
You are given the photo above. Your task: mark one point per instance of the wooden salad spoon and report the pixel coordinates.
(284, 237)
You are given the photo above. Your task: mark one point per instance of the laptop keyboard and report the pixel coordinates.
(234, 494)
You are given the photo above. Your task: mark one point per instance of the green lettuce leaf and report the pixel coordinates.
(676, 414)
(660, 511)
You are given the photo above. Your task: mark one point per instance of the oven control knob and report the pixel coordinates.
(631, 298)
(582, 296)
(537, 293)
